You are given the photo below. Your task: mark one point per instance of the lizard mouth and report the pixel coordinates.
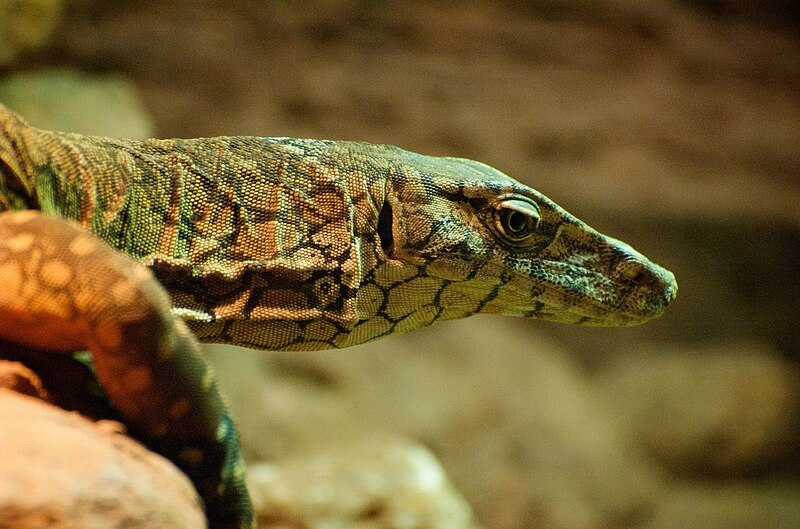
(627, 291)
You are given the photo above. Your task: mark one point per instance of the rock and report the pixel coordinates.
(61, 471)
(373, 483)
(725, 410)
(25, 25)
(16, 377)
(63, 99)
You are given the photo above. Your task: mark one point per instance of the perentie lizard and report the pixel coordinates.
(273, 243)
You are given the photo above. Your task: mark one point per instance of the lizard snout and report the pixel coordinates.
(651, 288)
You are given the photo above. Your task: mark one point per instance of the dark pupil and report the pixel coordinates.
(516, 222)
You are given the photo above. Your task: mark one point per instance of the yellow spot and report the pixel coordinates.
(56, 273)
(178, 408)
(21, 217)
(20, 242)
(223, 431)
(82, 245)
(11, 274)
(108, 334)
(137, 378)
(123, 292)
(237, 472)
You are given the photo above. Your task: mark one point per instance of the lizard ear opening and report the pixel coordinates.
(385, 227)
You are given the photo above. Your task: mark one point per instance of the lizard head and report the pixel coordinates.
(497, 246)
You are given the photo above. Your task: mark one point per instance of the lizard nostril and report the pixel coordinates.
(634, 273)
(649, 285)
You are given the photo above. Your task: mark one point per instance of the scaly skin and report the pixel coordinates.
(280, 243)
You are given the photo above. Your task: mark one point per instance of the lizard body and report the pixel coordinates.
(283, 243)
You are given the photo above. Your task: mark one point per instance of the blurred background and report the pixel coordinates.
(671, 124)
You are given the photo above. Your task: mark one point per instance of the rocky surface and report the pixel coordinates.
(365, 482)
(62, 471)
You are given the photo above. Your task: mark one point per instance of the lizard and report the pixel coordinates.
(136, 249)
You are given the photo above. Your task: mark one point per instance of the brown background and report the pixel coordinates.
(672, 125)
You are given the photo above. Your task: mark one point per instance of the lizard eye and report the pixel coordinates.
(516, 220)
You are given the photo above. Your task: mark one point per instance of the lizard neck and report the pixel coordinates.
(53, 172)
(17, 183)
